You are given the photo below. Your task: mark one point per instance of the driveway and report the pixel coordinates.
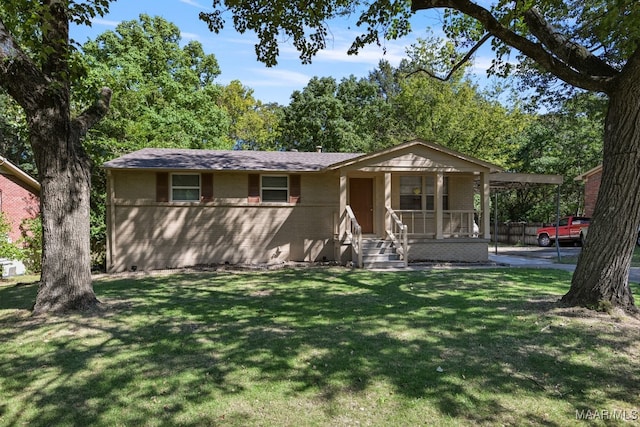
(537, 257)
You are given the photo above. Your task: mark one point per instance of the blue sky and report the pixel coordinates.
(236, 56)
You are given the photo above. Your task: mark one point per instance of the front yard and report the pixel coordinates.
(320, 347)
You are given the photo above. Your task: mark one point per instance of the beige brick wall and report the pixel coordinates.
(152, 235)
(449, 250)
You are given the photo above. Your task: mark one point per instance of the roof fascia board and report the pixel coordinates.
(417, 142)
(20, 174)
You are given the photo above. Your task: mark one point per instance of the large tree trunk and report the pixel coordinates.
(42, 88)
(65, 177)
(601, 278)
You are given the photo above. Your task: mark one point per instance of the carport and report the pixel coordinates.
(508, 181)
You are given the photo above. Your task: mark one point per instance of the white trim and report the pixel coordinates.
(185, 187)
(262, 188)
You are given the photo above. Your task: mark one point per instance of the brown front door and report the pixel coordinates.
(361, 201)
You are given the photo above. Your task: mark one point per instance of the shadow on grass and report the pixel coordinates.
(171, 346)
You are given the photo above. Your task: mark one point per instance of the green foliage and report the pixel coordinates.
(8, 249)
(165, 95)
(568, 143)
(31, 230)
(454, 113)
(253, 125)
(349, 116)
(306, 25)
(14, 135)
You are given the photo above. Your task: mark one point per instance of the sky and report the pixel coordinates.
(236, 56)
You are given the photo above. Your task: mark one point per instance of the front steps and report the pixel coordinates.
(380, 253)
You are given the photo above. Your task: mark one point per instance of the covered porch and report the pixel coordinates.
(430, 202)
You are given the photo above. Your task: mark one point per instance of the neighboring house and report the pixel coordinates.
(591, 179)
(19, 196)
(169, 208)
(19, 200)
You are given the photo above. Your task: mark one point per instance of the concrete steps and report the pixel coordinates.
(380, 253)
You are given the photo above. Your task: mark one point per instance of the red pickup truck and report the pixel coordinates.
(568, 230)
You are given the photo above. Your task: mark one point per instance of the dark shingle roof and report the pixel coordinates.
(285, 161)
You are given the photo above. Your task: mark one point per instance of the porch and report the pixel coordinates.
(379, 206)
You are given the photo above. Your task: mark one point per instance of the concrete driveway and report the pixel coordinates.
(537, 257)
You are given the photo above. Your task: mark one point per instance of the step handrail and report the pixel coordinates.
(354, 232)
(398, 232)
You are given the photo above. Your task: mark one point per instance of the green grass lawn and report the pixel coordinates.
(635, 260)
(320, 347)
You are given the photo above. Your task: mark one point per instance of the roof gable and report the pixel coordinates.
(417, 155)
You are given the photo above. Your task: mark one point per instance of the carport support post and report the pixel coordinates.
(495, 223)
(558, 223)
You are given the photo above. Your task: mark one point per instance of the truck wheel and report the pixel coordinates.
(544, 240)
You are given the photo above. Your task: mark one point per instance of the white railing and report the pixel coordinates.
(354, 232)
(397, 232)
(455, 223)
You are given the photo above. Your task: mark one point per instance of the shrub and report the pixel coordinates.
(31, 230)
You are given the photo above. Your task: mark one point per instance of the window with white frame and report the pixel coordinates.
(418, 193)
(411, 192)
(185, 187)
(274, 188)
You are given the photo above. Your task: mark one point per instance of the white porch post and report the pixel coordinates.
(342, 227)
(439, 204)
(387, 201)
(485, 227)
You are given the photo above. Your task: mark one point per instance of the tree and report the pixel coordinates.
(591, 45)
(453, 112)
(315, 118)
(166, 97)
(254, 125)
(36, 70)
(566, 142)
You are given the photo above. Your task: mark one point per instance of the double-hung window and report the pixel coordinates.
(185, 187)
(418, 193)
(275, 188)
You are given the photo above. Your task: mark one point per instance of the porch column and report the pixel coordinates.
(438, 205)
(340, 222)
(485, 188)
(387, 201)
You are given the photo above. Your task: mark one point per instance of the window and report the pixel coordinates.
(275, 188)
(411, 193)
(185, 187)
(418, 193)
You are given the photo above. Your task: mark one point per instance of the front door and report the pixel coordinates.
(361, 201)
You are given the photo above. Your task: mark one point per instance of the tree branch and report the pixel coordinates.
(459, 64)
(19, 75)
(93, 114)
(548, 61)
(574, 54)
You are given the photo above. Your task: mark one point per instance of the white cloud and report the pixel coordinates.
(105, 22)
(270, 77)
(194, 3)
(189, 36)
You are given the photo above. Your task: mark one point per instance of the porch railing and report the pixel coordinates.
(354, 232)
(397, 232)
(455, 223)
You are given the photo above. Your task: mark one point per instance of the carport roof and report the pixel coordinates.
(512, 180)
